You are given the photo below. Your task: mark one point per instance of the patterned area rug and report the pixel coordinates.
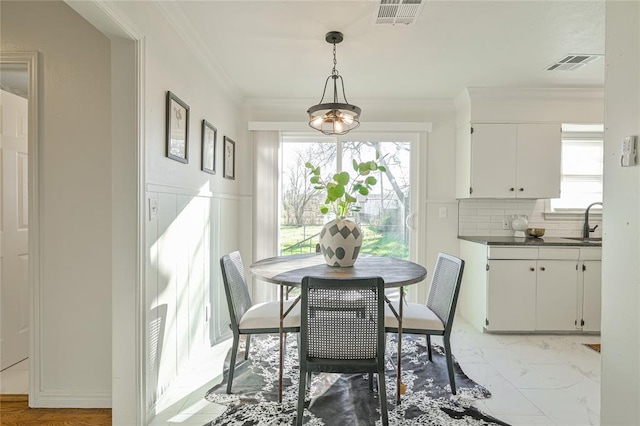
(345, 399)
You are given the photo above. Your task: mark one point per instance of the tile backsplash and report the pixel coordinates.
(486, 217)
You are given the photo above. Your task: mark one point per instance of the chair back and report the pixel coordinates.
(235, 287)
(445, 286)
(342, 319)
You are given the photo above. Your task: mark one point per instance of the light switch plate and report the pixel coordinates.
(153, 208)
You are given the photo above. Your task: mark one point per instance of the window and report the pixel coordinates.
(385, 211)
(582, 158)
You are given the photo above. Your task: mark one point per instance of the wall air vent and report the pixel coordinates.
(572, 62)
(392, 12)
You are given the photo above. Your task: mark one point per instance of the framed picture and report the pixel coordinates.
(209, 134)
(229, 159)
(177, 129)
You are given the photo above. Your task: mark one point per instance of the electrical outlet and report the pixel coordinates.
(506, 224)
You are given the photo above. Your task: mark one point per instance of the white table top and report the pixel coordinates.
(289, 270)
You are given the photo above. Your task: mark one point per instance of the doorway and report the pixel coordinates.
(17, 140)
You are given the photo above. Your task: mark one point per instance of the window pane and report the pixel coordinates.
(300, 217)
(383, 215)
(581, 158)
(582, 165)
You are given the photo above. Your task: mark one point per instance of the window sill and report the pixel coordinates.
(571, 215)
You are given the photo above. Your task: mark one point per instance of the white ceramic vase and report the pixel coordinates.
(340, 242)
(519, 223)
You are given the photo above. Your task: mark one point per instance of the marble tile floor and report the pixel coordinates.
(15, 379)
(534, 379)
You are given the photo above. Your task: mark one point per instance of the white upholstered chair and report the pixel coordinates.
(436, 316)
(247, 318)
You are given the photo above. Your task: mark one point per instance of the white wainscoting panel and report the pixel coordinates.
(186, 310)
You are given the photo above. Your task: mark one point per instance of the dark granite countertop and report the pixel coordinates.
(538, 242)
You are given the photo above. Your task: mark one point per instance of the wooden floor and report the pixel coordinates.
(14, 411)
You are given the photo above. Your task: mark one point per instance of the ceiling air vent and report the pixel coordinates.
(572, 62)
(392, 12)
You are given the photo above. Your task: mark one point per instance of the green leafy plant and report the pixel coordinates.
(341, 189)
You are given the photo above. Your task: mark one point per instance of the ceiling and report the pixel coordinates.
(276, 49)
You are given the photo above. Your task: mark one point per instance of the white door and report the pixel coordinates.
(14, 257)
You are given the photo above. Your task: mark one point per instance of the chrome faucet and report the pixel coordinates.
(586, 230)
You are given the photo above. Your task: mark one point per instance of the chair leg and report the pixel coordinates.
(308, 380)
(246, 347)
(382, 395)
(302, 388)
(447, 352)
(232, 364)
(428, 336)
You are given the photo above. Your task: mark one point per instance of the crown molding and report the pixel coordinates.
(173, 13)
(107, 17)
(528, 94)
(297, 126)
(403, 104)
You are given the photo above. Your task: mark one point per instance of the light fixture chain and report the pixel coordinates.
(334, 71)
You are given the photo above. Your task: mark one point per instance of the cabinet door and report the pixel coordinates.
(592, 279)
(538, 161)
(493, 161)
(557, 290)
(511, 295)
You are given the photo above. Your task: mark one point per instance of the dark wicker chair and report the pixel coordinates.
(436, 317)
(247, 318)
(342, 331)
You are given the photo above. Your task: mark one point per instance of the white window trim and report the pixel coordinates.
(573, 214)
(569, 214)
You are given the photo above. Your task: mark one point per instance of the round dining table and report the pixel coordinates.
(288, 271)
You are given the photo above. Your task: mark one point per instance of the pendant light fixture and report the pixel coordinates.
(334, 118)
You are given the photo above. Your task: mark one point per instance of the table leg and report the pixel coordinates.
(281, 344)
(400, 309)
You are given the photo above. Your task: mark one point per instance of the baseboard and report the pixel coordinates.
(71, 400)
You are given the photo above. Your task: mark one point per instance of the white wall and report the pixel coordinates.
(199, 216)
(620, 391)
(530, 105)
(74, 359)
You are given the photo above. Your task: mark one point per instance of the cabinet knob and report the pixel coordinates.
(521, 189)
(512, 189)
(532, 269)
(542, 268)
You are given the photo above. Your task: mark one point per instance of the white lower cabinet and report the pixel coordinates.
(531, 289)
(556, 295)
(591, 298)
(511, 302)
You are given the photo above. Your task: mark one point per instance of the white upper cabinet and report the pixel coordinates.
(538, 160)
(509, 161)
(493, 161)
